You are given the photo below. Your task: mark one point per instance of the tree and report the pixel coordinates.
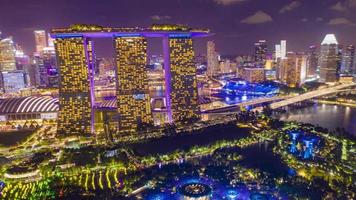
(267, 110)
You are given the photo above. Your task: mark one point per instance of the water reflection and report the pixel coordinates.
(327, 116)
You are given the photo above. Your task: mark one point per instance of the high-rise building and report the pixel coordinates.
(133, 98)
(339, 61)
(212, 58)
(227, 66)
(313, 60)
(329, 59)
(32, 73)
(181, 81)
(46, 69)
(76, 61)
(253, 75)
(260, 53)
(283, 49)
(7, 55)
(278, 53)
(50, 41)
(75, 101)
(51, 76)
(38, 78)
(293, 70)
(12, 81)
(348, 60)
(22, 60)
(41, 41)
(269, 64)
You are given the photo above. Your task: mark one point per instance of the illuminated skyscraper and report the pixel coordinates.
(45, 69)
(254, 75)
(260, 53)
(329, 59)
(22, 60)
(75, 100)
(283, 49)
(133, 98)
(294, 69)
(7, 55)
(347, 60)
(51, 68)
(181, 81)
(41, 41)
(50, 41)
(76, 60)
(212, 58)
(278, 53)
(226, 66)
(312, 63)
(38, 72)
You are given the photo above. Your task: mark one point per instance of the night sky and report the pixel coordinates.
(237, 24)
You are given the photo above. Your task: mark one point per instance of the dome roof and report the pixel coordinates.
(28, 105)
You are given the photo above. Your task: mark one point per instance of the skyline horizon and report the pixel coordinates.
(177, 99)
(236, 23)
(200, 43)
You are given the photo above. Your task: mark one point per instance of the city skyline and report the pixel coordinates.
(236, 24)
(177, 99)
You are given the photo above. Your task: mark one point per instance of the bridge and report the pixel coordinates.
(236, 107)
(280, 101)
(311, 95)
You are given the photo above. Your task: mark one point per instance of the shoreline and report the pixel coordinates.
(337, 103)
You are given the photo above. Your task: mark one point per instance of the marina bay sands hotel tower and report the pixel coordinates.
(76, 60)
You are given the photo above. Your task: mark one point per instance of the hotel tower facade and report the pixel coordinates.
(76, 57)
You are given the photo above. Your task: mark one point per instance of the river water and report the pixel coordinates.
(324, 115)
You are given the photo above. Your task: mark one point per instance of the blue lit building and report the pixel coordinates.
(245, 88)
(303, 145)
(237, 91)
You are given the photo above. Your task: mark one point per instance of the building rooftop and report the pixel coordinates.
(329, 39)
(156, 30)
(28, 105)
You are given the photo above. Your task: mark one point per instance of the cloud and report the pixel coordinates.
(160, 17)
(342, 6)
(258, 18)
(340, 21)
(289, 7)
(338, 7)
(304, 19)
(352, 3)
(228, 2)
(319, 19)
